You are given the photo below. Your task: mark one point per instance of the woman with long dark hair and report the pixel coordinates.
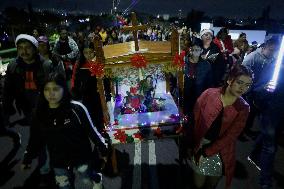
(65, 127)
(220, 115)
(84, 85)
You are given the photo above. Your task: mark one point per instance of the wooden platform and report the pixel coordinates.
(153, 51)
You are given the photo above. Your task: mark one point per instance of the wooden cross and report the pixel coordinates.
(100, 57)
(98, 45)
(134, 28)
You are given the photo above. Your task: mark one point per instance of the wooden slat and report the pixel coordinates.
(124, 49)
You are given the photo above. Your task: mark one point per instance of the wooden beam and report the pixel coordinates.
(134, 28)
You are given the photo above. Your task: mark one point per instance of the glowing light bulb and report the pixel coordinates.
(273, 82)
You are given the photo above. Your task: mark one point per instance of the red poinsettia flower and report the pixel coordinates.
(138, 135)
(116, 122)
(120, 135)
(179, 60)
(158, 133)
(97, 69)
(138, 61)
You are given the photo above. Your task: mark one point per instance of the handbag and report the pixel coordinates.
(209, 166)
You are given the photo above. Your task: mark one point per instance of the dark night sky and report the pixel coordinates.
(229, 8)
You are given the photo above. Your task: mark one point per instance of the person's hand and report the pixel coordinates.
(104, 158)
(25, 166)
(203, 57)
(197, 157)
(269, 87)
(103, 162)
(200, 159)
(224, 51)
(64, 57)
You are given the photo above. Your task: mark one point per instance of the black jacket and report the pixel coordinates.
(66, 134)
(14, 84)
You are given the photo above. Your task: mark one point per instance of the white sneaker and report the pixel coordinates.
(252, 162)
(98, 185)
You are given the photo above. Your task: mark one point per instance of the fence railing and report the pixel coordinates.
(6, 60)
(13, 54)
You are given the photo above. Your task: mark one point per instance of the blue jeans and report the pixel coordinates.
(43, 161)
(265, 147)
(65, 177)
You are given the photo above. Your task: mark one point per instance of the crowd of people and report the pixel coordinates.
(220, 114)
(225, 89)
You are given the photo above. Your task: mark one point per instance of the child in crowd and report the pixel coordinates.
(65, 127)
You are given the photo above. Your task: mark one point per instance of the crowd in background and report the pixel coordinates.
(218, 72)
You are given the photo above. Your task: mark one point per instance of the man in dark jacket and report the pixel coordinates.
(24, 80)
(259, 62)
(270, 105)
(66, 48)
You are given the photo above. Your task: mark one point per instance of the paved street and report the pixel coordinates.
(150, 165)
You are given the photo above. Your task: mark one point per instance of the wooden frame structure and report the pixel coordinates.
(119, 55)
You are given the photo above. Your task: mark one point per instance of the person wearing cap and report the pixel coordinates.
(44, 47)
(209, 48)
(24, 76)
(252, 47)
(206, 36)
(212, 54)
(48, 55)
(24, 79)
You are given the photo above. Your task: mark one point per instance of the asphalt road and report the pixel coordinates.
(151, 164)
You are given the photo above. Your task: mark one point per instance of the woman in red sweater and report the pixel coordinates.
(220, 116)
